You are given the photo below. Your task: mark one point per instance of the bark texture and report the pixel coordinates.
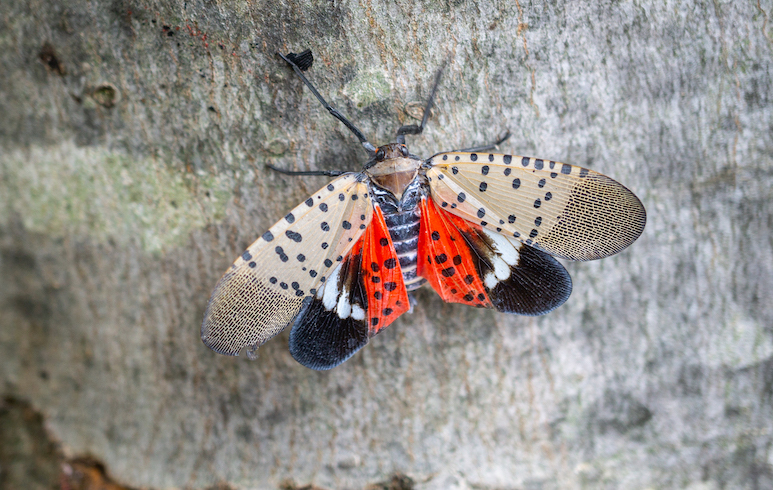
(133, 140)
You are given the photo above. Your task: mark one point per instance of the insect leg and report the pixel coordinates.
(488, 147)
(333, 111)
(328, 173)
(412, 128)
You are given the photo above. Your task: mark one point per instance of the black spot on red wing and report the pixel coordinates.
(454, 291)
(469, 297)
(374, 267)
(310, 202)
(384, 242)
(390, 286)
(374, 321)
(441, 258)
(323, 207)
(481, 297)
(375, 279)
(390, 263)
(377, 294)
(435, 235)
(268, 236)
(448, 272)
(469, 279)
(387, 311)
(290, 218)
(457, 259)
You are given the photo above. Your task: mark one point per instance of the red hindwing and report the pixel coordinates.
(381, 275)
(446, 259)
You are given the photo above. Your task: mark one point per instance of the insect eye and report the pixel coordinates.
(380, 154)
(404, 150)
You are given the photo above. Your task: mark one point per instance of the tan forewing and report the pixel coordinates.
(262, 292)
(570, 212)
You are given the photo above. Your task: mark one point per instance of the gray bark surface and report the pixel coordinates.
(133, 140)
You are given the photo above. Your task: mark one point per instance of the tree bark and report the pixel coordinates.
(133, 146)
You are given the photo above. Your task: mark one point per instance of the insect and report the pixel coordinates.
(481, 228)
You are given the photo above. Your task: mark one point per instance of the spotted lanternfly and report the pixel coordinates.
(481, 228)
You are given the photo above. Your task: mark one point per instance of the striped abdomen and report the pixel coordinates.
(403, 228)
